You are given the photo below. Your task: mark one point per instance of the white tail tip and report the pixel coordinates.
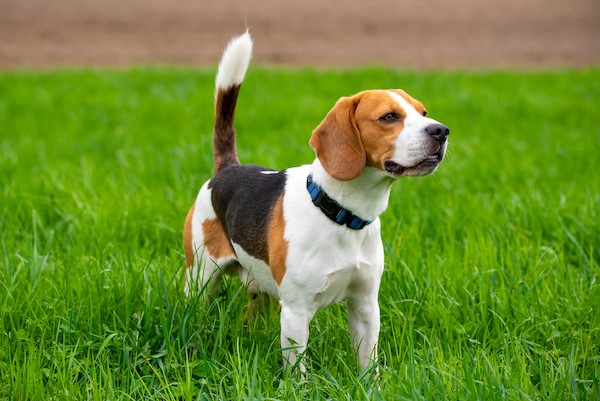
(234, 62)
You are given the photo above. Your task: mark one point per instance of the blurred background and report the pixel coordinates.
(399, 34)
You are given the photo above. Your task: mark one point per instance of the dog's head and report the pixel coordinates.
(385, 129)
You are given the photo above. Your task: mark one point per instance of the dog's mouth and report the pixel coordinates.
(393, 167)
(425, 166)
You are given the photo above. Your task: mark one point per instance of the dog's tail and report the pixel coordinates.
(232, 69)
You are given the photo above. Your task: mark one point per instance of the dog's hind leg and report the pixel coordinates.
(203, 277)
(208, 251)
(257, 301)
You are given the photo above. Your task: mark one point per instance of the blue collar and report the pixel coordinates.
(333, 210)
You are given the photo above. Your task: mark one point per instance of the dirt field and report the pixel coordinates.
(400, 34)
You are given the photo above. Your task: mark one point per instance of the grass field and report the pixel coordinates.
(491, 289)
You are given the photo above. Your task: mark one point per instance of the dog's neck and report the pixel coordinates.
(366, 196)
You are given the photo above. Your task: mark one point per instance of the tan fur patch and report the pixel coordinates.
(216, 241)
(379, 138)
(278, 246)
(187, 238)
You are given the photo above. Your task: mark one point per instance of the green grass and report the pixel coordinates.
(491, 289)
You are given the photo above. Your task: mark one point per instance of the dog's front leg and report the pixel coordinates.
(363, 323)
(294, 335)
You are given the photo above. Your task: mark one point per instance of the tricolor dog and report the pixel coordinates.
(309, 236)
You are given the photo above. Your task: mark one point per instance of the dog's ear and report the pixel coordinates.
(337, 141)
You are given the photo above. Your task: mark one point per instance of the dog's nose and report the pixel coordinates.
(438, 131)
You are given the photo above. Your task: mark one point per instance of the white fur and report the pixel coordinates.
(253, 269)
(235, 61)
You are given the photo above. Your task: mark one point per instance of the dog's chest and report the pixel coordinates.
(335, 288)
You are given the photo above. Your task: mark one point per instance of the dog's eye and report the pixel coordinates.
(424, 113)
(389, 117)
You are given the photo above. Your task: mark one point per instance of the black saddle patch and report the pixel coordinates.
(243, 197)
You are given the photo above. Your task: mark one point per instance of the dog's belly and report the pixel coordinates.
(257, 270)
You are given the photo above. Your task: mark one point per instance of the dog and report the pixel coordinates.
(308, 236)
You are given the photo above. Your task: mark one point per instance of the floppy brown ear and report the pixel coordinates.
(337, 142)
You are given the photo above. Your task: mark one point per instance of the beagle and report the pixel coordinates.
(308, 236)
